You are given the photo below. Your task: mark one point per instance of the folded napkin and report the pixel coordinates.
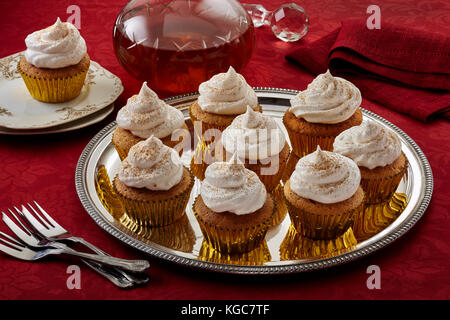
(405, 69)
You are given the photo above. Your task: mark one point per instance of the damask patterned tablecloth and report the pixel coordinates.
(42, 168)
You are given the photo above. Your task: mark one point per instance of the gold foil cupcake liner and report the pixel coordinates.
(270, 181)
(257, 256)
(147, 213)
(178, 235)
(303, 144)
(380, 190)
(204, 150)
(203, 156)
(204, 126)
(198, 162)
(290, 166)
(374, 218)
(295, 246)
(54, 90)
(232, 240)
(106, 193)
(281, 211)
(321, 226)
(121, 152)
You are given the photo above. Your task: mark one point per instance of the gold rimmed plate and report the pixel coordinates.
(20, 111)
(284, 251)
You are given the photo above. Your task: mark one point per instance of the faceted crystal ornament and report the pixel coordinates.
(289, 22)
(258, 13)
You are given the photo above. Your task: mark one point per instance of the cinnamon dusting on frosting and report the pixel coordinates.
(325, 177)
(145, 115)
(253, 135)
(229, 186)
(226, 93)
(370, 145)
(327, 99)
(54, 47)
(151, 164)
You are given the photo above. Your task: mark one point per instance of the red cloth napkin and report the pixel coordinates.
(404, 69)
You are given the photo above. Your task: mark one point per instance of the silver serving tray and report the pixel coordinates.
(188, 250)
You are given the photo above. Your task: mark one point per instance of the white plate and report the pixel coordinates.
(19, 110)
(73, 125)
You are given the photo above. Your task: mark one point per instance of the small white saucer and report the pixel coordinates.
(20, 111)
(73, 125)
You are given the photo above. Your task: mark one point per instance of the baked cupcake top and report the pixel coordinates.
(253, 136)
(327, 99)
(325, 177)
(57, 46)
(226, 93)
(370, 145)
(229, 186)
(151, 164)
(145, 115)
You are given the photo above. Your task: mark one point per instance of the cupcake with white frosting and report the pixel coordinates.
(55, 63)
(153, 184)
(323, 194)
(146, 115)
(222, 98)
(378, 153)
(233, 208)
(318, 114)
(260, 143)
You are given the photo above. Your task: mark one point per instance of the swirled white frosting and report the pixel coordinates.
(226, 93)
(151, 164)
(325, 177)
(254, 136)
(229, 186)
(145, 115)
(327, 99)
(370, 145)
(57, 46)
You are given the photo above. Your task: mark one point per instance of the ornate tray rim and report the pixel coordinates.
(410, 221)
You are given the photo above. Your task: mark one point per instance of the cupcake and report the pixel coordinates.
(378, 153)
(145, 115)
(152, 184)
(221, 99)
(260, 143)
(318, 114)
(323, 194)
(233, 208)
(55, 63)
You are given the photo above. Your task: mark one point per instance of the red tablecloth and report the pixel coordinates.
(42, 168)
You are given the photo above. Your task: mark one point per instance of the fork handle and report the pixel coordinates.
(87, 244)
(119, 281)
(132, 265)
(137, 278)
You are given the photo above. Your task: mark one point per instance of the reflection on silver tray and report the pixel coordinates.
(284, 251)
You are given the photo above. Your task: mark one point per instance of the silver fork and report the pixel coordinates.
(31, 239)
(19, 250)
(136, 265)
(52, 231)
